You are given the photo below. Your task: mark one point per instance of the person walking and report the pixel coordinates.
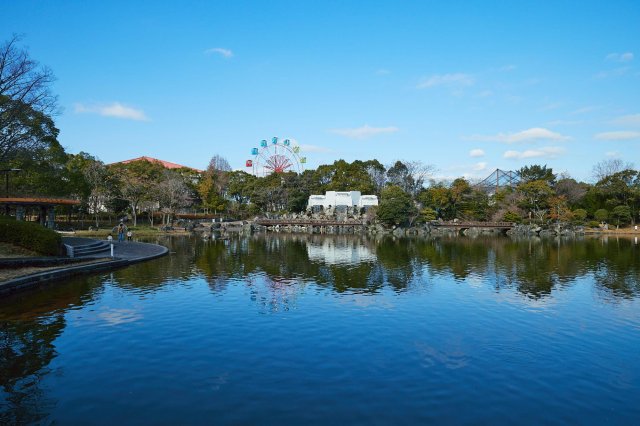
(129, 235)
(121, 231)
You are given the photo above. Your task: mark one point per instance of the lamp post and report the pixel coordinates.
(6, 186)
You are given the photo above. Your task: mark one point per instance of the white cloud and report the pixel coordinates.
(226, 53)
(115, 109)
(364, 132)
(478, 167)
(620, 57)
(628, 120)
(621, 135)
(563, 122)
(383, 71)
(314, 148)
(533, 134)
(507, 68)
(617, 72)
(612, 154)
(457, 79)
(546, 152)
(484, 94)
(585, 110)
(551, 106)
(476, 153)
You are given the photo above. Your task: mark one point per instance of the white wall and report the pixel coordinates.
(342, 198)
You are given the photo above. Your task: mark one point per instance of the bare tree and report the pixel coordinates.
(219, 163)
(26, 101)
(378, 177)
(606, 168)
(96, 176)
(572, 191)
(421, 173)
(218, 173)
(174, 194)
(410, 175)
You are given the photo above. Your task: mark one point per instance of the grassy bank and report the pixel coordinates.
(138, 231)
(622, 231)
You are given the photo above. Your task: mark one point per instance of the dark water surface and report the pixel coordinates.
(311, 330)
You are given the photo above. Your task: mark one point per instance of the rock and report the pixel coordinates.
(398, 232)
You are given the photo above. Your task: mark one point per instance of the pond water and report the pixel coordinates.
(308, 329)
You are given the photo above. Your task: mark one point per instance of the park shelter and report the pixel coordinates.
(44, 206)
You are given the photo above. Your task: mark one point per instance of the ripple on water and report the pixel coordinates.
(446, 331)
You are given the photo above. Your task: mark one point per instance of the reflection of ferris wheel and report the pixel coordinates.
(276, 157)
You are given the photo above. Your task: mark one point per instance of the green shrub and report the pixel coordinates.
(579, 215)
(510, 216)
(594, 224)
(601, 215)
(622, 214)
(31, 236)
(396, 206)
(427, 214)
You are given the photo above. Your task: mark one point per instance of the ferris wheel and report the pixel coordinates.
(276, 156)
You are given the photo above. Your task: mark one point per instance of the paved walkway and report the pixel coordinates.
(125, 254)
(128, 250)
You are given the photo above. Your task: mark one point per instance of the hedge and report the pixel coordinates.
(29, 235)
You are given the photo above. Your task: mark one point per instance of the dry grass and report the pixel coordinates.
(7, 274)
(612, 230)
(9, 250)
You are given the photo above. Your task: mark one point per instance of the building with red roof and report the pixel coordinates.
(165, 164)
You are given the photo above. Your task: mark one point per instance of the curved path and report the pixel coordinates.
(125, 254)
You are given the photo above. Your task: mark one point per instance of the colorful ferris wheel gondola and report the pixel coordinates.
(278, 156)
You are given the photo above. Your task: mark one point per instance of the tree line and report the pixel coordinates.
(407, 191)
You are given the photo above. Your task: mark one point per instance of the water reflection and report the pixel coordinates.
(534, 267)
(274, 272)
(27, 346)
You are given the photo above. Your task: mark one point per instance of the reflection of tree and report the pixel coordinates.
(151, 275)
(532, 266)
(26, 349)
(28, 328)
(283, 257)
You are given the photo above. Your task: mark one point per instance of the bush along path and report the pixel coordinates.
(31, 236)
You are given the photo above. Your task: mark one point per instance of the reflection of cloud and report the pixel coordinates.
(452, 357)
(273, 293)
(368, 300)
(120, 316)
(216, 382)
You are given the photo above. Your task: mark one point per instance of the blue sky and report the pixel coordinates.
(465, 86)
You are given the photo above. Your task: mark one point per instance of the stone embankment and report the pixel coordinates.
(553, 230)
(353, 221)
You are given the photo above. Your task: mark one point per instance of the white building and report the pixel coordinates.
(342, 199)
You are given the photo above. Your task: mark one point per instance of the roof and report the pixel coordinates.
(165, 164)
(39, 201)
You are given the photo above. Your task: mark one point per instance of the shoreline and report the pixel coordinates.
(126, 254)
